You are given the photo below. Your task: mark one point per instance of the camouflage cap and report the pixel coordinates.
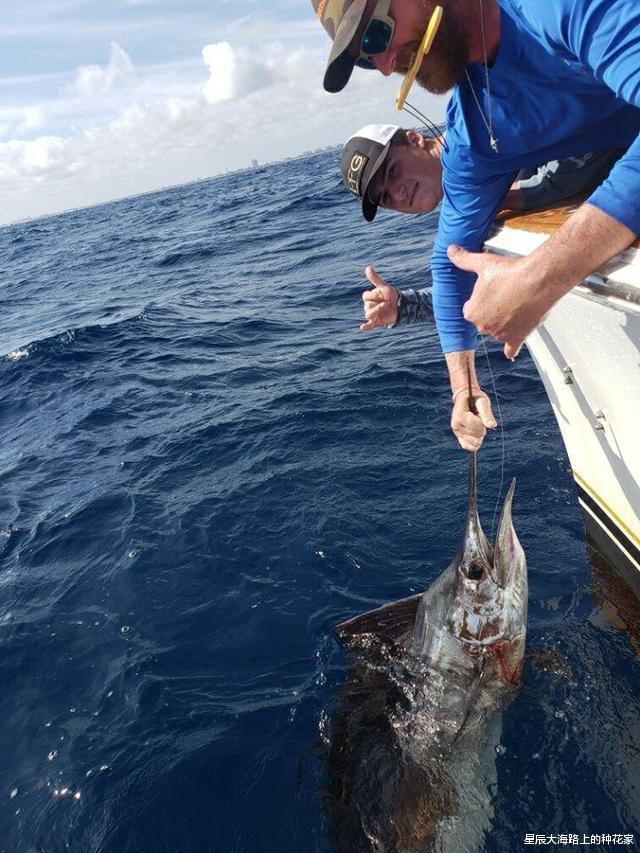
(341, 19)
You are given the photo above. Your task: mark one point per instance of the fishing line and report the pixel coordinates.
(410, 77)
(435, 132)
(415, 113)
(497, 399)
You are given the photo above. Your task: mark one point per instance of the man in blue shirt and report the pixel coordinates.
(534, 81)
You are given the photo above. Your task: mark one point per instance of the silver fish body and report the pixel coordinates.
(440, 667)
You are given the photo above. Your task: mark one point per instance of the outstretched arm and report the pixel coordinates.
(511, 297)
(385, 306)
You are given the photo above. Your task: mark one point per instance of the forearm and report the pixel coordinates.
(466, 217)
(458, 364)
(587, 240)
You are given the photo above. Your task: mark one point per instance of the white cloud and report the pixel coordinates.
(119, 132)
(33, 118)
(33, 159)
(94, 91)
(94, 81)
(233, 74)
(43, 154)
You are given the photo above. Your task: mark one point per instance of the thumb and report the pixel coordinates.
(469, 261)
(483, 405)
(376, 280)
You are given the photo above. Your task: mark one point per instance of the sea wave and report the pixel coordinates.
(206, 465)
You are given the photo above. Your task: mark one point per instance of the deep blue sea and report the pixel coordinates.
(204, 466)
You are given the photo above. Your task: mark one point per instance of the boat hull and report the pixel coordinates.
(587, 353)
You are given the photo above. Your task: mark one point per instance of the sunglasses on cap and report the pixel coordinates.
(377, 36)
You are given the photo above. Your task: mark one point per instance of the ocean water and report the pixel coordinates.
(204, 466)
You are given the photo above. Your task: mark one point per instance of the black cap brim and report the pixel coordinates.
(338, 73)
(369, 208)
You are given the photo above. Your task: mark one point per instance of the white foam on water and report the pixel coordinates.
(17, 354)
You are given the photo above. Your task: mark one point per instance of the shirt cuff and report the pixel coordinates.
(414, 306)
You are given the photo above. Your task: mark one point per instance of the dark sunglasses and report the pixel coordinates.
(377, 36)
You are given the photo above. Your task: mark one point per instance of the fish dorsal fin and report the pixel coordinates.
(390, 625)
(507, 544)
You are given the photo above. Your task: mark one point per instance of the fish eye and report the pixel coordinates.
(475, 571)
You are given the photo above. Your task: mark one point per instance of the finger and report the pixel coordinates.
(370, 324)
(473, 430)
(512, 351)
(469, 314)
(471, 433)
(468, 428)
(461, 413)
(374, 297)
(375, 279)
(374, 312)
(373, 320)
(483, 405)
(469, 261)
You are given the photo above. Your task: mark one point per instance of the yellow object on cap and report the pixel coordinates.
(423, 50)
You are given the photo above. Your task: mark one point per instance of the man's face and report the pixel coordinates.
(444, 65)
(409, 180)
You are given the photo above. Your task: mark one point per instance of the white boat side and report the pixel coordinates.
(587, 353)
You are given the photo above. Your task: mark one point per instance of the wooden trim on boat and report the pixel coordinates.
(519, 233)
(547, 220)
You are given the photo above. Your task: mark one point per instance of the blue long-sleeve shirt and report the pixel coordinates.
(566, 79)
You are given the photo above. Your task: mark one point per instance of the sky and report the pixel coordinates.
(101, 99)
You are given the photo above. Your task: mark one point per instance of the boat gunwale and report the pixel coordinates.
(599, 282)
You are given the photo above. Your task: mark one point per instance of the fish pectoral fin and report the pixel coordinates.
(391, 624)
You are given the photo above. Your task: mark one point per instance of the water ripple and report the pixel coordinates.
(204, 467)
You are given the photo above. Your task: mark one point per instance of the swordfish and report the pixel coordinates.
(412, 747)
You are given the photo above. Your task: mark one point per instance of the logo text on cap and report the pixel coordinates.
(354, 173)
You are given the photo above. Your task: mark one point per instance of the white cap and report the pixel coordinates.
(362, 156)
